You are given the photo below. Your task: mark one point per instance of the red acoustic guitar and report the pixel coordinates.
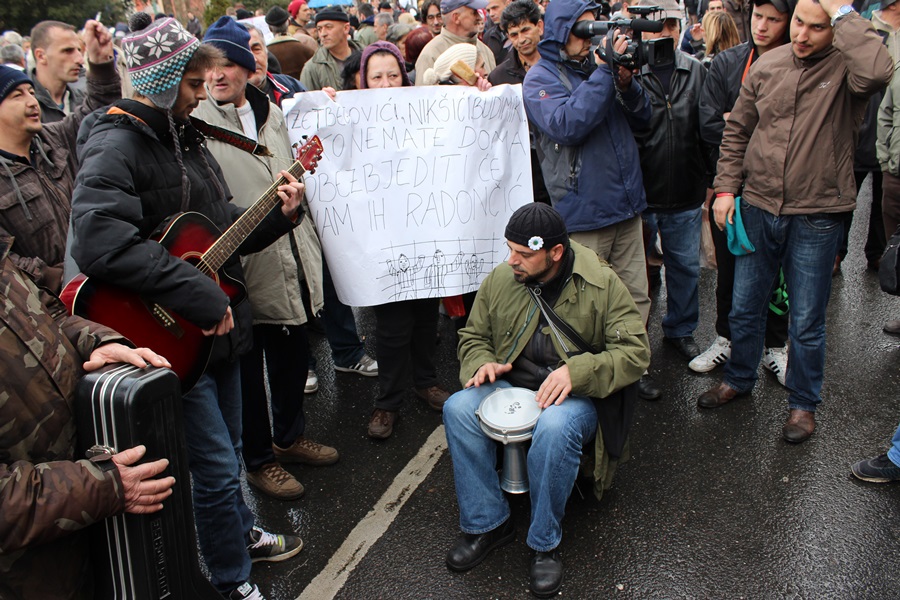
(195, 239)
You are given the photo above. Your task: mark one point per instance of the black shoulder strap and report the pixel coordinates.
(559, 326)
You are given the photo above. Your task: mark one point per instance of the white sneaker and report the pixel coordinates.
(312, 382)
(246, 591)
(367, 367)
(775, 360)
(714, 356)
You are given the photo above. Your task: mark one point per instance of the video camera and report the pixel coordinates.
(656, 53)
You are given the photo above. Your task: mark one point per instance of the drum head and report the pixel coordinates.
(509, 414)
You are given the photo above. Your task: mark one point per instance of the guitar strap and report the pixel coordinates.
(231, 138)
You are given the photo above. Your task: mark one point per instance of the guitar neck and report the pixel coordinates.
(231, 240)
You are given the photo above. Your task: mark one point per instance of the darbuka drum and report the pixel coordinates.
(509, 415)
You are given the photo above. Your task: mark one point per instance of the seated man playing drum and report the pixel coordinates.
(509, 341)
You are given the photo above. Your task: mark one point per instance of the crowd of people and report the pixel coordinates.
(749, 147)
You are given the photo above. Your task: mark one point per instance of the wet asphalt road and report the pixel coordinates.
(712, 504)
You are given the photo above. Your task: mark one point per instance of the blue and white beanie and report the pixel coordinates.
(156, 53)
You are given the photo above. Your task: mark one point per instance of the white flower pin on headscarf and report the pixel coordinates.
(536, 243)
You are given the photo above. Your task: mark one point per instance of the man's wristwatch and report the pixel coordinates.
(842, 12)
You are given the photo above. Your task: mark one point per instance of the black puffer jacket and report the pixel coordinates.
(674, 160)
(129, 184)
(723, 86)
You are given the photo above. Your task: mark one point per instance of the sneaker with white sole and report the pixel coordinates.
(246, 591)
(714, 356)
(775, 360)
(367, 367)
(312, 382)
(270, 547)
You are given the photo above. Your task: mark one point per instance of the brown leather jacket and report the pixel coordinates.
(46, 496)
(791, 136)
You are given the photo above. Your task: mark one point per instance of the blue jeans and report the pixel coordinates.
(894, 451)
(553, 462)
(805, 246)
(212, 424)
(680, 235)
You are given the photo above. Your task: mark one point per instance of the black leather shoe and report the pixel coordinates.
(686, 346)
(470, 549)
(546, 574)
(647, 388)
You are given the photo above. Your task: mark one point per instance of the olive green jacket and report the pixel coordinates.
(594, 302)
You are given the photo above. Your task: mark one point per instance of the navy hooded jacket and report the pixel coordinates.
(608, 188)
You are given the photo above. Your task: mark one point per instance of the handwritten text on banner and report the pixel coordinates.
(415, 186)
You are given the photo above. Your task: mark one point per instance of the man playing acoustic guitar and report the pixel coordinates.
(143, 162)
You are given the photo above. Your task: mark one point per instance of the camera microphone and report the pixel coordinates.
(646, 25)
(589, 29)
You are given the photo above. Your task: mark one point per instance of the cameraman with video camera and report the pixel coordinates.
(583, 113)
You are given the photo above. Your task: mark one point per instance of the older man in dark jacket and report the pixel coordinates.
(672, 151)
(38, 162)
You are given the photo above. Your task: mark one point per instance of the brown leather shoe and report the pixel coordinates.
(719, 395)
(381, 425)
(434, 396)
(274, 481)
(307, 452)
(799, 426)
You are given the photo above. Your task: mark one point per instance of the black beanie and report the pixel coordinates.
(277, 15)
(538, 226)
(332, 14)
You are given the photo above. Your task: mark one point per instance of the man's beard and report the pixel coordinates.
(536, 277)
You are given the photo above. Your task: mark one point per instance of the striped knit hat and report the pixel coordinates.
(156, 53)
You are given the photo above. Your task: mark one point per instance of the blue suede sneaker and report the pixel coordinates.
(876, 470)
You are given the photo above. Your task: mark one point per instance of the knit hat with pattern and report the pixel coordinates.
(156, 53)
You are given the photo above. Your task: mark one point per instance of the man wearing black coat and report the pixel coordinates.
(143, 162)
(672, 151)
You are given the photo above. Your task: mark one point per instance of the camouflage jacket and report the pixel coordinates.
(45, 495)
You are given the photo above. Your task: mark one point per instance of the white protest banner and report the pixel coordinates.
(415, 186)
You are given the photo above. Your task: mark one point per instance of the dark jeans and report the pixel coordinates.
(212, 430)
(279, 351)
(406, 340)
(776, 324)
(804, 246)
(875, 238)
(340, 326)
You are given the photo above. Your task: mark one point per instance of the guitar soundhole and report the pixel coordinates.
(195, 258)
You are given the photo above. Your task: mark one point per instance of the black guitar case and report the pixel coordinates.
(142, 557)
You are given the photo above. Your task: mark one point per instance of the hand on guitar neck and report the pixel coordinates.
(290, 193)
(223, 326)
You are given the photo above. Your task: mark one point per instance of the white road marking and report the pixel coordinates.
(370, 529)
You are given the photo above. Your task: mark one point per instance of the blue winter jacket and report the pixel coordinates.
(608, 189)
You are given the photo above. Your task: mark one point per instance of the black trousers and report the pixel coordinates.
(281, 352)
(875, 239)
(776, 325)
(406, 342)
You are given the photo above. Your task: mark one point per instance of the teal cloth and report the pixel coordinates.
(738, 242)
